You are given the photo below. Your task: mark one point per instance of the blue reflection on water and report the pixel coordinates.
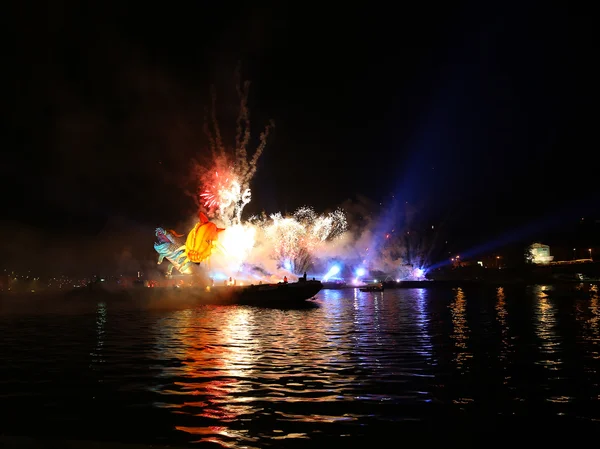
(252, 377)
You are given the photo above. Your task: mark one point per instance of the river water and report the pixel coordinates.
(353, 367)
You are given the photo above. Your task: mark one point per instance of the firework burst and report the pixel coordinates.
(225, 186)
(224, 191)
(212, 190)
(295, 240)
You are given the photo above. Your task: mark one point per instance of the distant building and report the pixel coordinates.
(540, 254)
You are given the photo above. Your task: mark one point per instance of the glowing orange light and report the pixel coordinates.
(201, 240)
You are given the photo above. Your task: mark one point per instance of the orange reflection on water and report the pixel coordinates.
(218, 355)
(502, 318)
(545, 330)
(505, 338)
(594, 323)
(588, 315)
(241, 352)
(460, 332)
(501, 312)
(210, 434)
(594, 304)
(226, 363)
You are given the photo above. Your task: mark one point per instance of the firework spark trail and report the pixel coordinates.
(225, 187)
(246, 168)
(243, 121)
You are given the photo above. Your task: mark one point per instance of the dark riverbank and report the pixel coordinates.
(467, 283)
(455, 283)
(476, 275)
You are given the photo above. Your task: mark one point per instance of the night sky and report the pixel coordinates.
(479, 114)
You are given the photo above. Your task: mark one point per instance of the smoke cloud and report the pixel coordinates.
(359, 236)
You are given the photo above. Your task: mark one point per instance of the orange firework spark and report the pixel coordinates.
(211, 194)
(214, 182)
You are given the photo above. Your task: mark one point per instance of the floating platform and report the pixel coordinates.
(281, 294)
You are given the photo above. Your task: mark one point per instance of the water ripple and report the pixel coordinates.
(358, 365)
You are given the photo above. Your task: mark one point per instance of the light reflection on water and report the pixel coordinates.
(502, 318)
(249, 377)
(545, 328)
(507, 348)
(460, 333)
(97, 356)
(594, 320)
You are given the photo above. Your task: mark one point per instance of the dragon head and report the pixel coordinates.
(164, 236)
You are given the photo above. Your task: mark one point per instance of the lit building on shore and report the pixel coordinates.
(540, 254)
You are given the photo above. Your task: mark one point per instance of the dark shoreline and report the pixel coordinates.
(464, 283)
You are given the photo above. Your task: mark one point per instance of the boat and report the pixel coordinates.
(179, 296)
(372, 288)
(279, 294)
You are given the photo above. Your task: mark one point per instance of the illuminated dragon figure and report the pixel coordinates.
(202, 239)
(198, 247)
(170, 247)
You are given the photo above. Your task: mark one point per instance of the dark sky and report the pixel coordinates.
(481, 113)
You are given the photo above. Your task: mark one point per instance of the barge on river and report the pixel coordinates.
(280, 294)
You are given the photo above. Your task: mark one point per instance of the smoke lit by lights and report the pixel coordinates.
(332, 272)
(268, 247)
